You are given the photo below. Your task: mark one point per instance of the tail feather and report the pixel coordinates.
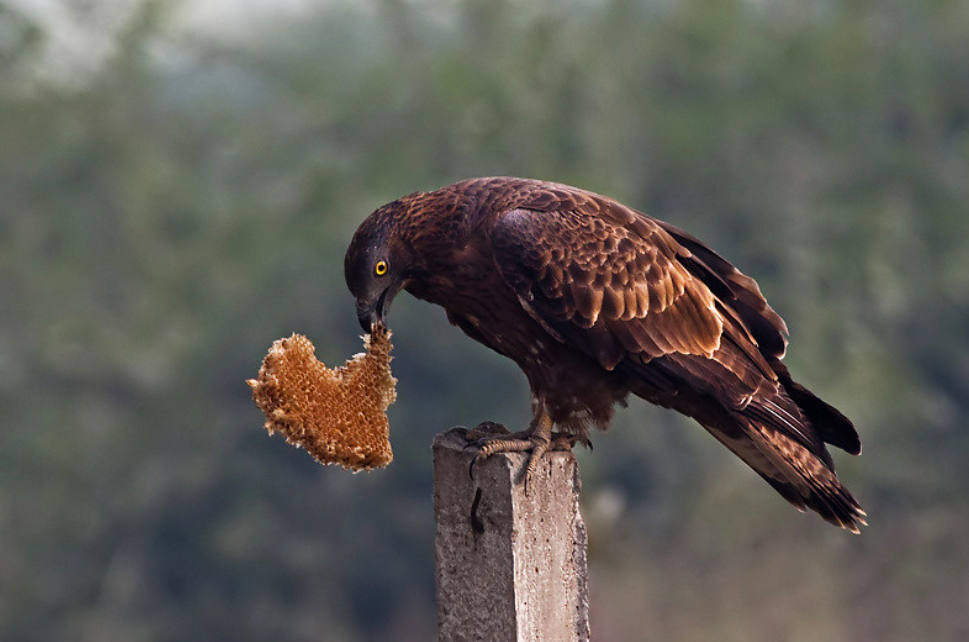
(797, 474)
(791, 421)
(805, 481)
(779, 430)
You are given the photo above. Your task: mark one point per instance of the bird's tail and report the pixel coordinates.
(780, 429)
(804, 478)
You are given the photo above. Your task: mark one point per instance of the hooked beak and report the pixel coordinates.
(371, 312)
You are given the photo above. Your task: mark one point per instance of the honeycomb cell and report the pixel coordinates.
(337, 415)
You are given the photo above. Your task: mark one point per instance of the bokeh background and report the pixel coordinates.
(179, 180)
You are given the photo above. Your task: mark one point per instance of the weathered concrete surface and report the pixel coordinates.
(511, 563)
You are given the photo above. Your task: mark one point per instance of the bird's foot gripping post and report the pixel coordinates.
(511, 564)
(490, 438)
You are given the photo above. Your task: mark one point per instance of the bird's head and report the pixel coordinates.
(376, 266)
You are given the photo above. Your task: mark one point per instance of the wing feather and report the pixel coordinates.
(619, 274)
(767, 329)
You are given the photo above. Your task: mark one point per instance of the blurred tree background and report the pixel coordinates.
(173, 198)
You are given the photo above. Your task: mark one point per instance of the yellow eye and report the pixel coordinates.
(380, 268)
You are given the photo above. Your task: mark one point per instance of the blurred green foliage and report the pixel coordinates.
(165, 218)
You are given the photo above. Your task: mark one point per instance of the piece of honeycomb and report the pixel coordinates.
(338, 415)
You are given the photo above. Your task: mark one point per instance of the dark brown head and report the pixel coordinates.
(376, 265)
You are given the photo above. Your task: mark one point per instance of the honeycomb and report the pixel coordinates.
(337, 415)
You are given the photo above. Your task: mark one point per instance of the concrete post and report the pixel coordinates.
(511, 564)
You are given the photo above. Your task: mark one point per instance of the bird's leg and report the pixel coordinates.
(538, 439)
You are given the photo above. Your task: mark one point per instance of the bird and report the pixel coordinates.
(596, 301)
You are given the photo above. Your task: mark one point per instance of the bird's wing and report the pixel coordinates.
(616, 275)
(615, 284)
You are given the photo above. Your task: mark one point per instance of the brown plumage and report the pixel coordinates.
(596, 301)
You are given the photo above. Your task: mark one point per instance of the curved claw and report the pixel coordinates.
(479, 436)
(491, 438)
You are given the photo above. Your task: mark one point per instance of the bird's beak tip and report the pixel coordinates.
(369, 316)
(371, 313)
(367, 320)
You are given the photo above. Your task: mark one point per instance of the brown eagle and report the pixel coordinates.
(595, 301)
